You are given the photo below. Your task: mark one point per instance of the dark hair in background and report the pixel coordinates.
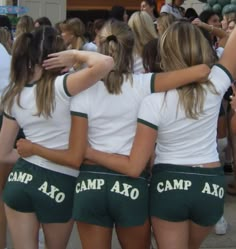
(206, 15)
(6, 23)
(191, 14)
(153, 4)
(30, 50)
(43, 21)
(117, 12)
(151, 56)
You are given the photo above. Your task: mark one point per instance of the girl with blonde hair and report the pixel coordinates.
(37, 99)
(24, 25)
(187, 185)
(106, 115)
(144, 31)
(72, 32)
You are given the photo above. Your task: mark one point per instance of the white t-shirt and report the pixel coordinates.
(112, 119)
(182, 140)
(167, 8)
(5, 64)
(52, 133)
(89, 46)
(138, 64)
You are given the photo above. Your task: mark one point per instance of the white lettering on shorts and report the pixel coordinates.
(20, 177)
(126, 190)
(173, 185)
(89, 184)
(53, 192)
(213, 189)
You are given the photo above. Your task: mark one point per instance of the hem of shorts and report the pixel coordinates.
(16, 209)
(182, 220)
(92, 222)
(133, 225)
(50, 221)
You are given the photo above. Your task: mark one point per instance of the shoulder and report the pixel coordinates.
(165, 8)
(90, 46)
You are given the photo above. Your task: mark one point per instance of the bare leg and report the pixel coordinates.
(3, 224)
(171, 235)
(93, 236)
(197, 234)
(57, 235)
(138, 237)
(24, 229)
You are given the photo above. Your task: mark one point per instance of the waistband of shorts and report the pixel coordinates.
(187, 169)
(88, 168)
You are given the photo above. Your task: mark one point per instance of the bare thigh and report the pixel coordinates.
(197, 234)
(23, 227)
(57, 235)
(170, 235)
(138, 237)
(93, 236)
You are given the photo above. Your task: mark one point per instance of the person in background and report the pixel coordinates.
(163, 22)
(191, 14)
(141, 25)
(119, 13)
(173, 8)
(24, 25)
(42, 21)
(150, 7)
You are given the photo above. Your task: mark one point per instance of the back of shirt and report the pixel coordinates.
(183, 140)
(112, 118)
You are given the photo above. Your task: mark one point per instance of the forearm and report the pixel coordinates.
(213, 30)
(9, 158)
(94, 59)
(118, 163)
(233, 123)
(178, 78)
(62, 157)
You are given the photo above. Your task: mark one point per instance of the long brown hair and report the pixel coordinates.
(183, 45)
(29, 51)
(116, 39)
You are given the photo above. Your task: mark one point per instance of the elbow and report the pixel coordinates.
(108, 63)
(135, 173)
(74, 162)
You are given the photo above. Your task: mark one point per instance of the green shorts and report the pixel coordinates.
(107, 198)
(48, 194)
(179, 193)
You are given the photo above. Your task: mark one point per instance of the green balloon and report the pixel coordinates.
(211, 2)
(229, 8)
(207, 7)
(217, 8)
(223, 2)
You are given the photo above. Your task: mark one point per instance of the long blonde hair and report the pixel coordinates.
(24, 25)
(116, 39)
(183, 45)
(29, 51)
(77, 28)
(143, 28)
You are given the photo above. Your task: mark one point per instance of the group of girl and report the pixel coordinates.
(98, 146)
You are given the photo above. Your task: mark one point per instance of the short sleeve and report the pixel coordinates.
(61, 87)
(165, 9)
(145, 83)
(79, 105)
(220, 78)
(149, 112)
(9, 116)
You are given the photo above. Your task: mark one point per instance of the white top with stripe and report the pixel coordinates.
(112, 119)
(182, 140)
(52, 132)
(167, 8)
